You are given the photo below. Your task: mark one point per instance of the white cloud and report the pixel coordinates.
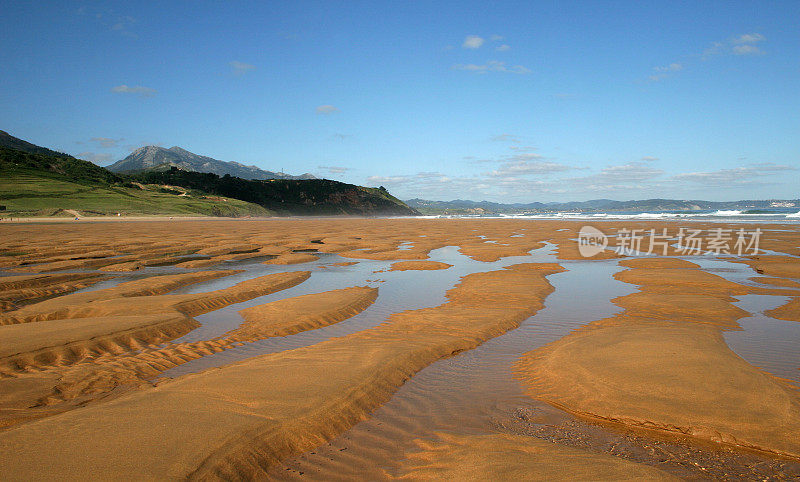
(506, 138)
(493, 66)
(241, 68)
(123, 24)
(335, 169)
(109, 19)
(502, 48)
(95, 157)
(749, 38)
(632, 171)
(649, 158)
(715, 49)
(496, 38)
(326, 109)
(134, 90)
(673, 67)
(435, 185)
(525, 156)
(741, 45)
(106, 142)
(391, 180)
(737, 175)
(747, 50)
(473, 42)
(632, 177)
(524, 168)
(539, 180)
(663, 71)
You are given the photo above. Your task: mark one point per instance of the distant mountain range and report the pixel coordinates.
(460, 206)
(302, 194)
(159, 158)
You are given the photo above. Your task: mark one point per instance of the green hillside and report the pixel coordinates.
(36, 181)
(287, 196)
(11, 142)
(43, 185)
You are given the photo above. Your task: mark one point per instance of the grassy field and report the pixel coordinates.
(26, 192)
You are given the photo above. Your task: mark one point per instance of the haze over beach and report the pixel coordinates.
(382, 240)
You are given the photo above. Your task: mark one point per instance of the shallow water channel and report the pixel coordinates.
(474, 391)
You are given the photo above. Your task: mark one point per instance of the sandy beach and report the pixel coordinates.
(393, 348)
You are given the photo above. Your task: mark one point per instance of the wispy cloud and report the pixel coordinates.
(334, 169)
(524, 156)
(499, 38)
(134, 90)
(106, 142)
(632, 171)
(96, 157)
(738, 175)
(539, 179)
(649, 158)
(744, 44)
(110, 19)
(123, 25)
(326, 109)
(473, 42)
(525, 168)
(436, 185)
(741, 45)
(388, 179)
(241, 68)
(673, 67)
(663, 71)
(506, 138)
(493, 66)
(747, 50)
(749, 38)
(628, 178)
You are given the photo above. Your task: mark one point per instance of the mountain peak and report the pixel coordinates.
(149, 157)
(181, 150)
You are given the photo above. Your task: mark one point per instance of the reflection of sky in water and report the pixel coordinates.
(763, 341)
(398, 291)
(766, 342)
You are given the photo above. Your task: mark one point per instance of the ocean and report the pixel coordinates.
(771, 215)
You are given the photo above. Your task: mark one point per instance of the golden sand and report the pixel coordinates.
(16, 291)
(293, 258)
(514, 457)
(661, 364)
(309, 312)
(418, 265)
(233, 421)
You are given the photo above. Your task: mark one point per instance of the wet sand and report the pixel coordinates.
(662, 364)
(96, 319)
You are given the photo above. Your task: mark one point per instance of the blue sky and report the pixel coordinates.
(507, 101)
